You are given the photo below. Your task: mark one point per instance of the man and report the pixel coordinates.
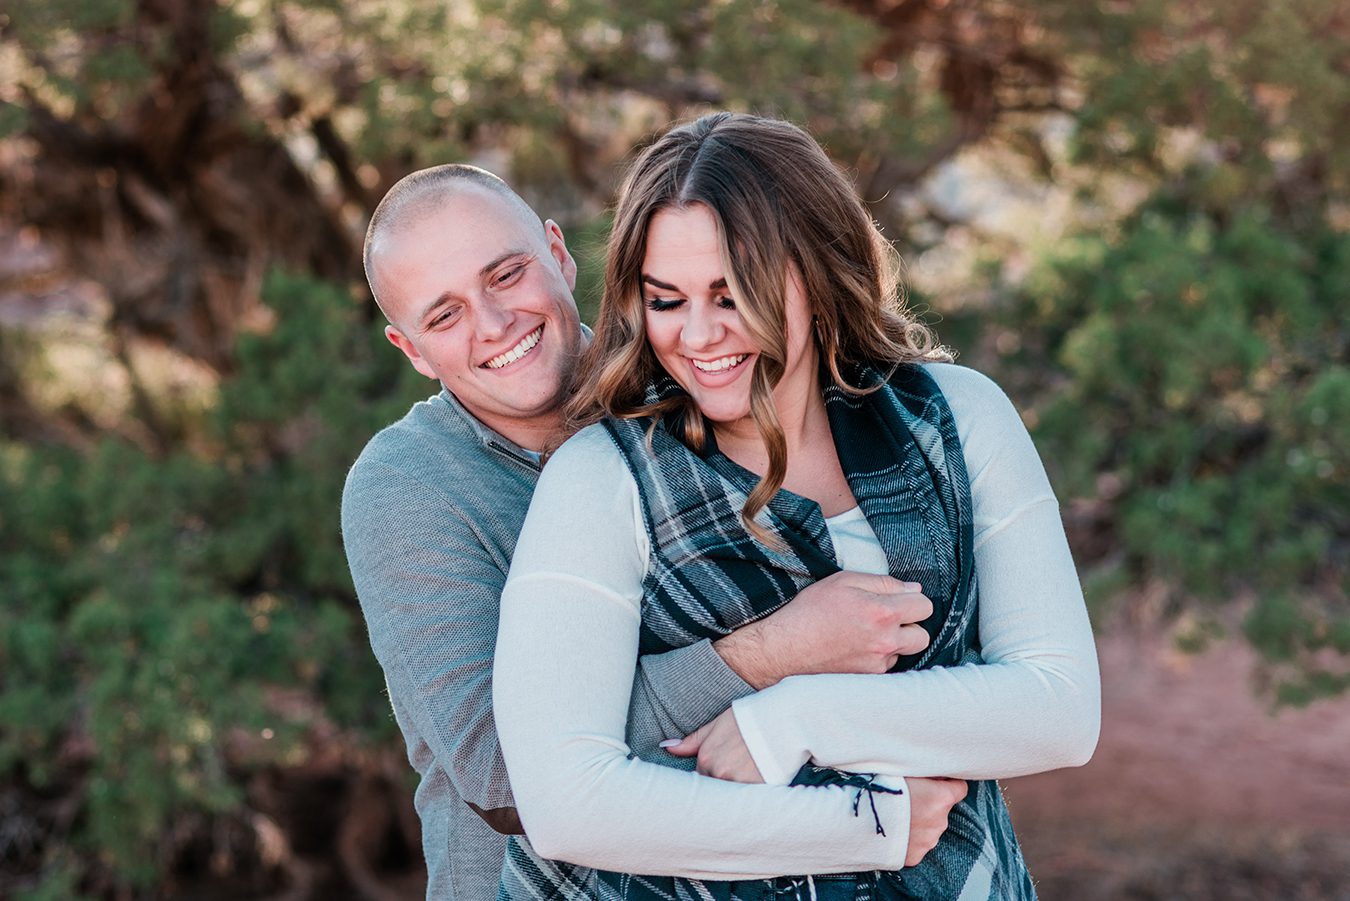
(478, 294)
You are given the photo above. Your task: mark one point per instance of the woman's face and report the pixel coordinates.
(695, 331)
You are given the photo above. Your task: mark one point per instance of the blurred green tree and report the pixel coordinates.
(1188, 360)
(175, 588)
(164, 611)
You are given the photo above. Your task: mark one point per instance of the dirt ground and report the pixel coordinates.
(1198, 790)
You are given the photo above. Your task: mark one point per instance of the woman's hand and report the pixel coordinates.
(721, 751)
(930, 803)
(722, 754)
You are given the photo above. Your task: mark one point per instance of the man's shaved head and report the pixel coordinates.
(478, 294)
(416, 195)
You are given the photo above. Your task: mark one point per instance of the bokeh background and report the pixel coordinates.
(1134, 214)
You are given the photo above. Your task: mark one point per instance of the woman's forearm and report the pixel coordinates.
(565, 658)
(564, 664)
(1032, 705)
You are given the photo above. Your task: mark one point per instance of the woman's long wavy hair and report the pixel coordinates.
(777, 201)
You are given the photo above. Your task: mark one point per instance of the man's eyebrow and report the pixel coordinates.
(497, 261)
(657, 283)
(445, 298)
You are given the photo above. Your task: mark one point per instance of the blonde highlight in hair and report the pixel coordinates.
(782, 210)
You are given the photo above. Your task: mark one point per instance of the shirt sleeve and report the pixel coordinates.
(1032, 705)
(566, 652)
(430, 587)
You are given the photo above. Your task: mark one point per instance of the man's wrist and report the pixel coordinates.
(743, 652)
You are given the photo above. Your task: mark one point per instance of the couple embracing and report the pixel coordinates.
(792, 590)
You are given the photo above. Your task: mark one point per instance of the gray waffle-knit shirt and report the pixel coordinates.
(430, 515)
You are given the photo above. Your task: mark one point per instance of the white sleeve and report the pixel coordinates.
(567, 646)
(1032, 706)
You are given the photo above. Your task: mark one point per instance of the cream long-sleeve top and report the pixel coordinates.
(567, 647)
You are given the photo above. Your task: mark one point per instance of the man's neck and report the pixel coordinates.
(533, 434)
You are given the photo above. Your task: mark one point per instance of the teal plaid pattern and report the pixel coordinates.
(708, 575)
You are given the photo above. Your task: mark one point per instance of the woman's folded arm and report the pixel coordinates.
(566, 651)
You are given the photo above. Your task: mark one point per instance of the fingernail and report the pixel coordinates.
(670, 742)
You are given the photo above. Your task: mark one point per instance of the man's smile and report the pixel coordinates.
(526, 345)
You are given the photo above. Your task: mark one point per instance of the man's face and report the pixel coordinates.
(479, 296)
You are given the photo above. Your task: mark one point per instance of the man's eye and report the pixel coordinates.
(658, 304)
(509, 275)
(443, 317)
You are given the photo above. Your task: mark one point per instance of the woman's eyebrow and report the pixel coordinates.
(657, 283)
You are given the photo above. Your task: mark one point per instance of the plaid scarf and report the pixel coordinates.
(708, 575)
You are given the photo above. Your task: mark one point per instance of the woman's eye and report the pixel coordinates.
(657, 304)
(726, 303)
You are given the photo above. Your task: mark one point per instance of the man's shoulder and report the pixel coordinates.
(430, 438)
(414, 460)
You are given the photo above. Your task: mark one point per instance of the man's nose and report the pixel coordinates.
(493, 320)
(702, 327)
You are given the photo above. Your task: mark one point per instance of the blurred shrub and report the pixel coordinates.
(156, 607)
(1195, 382)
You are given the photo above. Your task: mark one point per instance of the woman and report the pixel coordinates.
(756, 413)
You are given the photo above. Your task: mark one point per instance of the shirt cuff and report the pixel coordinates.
(693, 683)
(900, 816)
(779, 760)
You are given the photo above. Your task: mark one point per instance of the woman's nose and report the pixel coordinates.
(702, 328)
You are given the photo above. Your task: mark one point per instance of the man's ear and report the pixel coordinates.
(400, 340)
(558, 247)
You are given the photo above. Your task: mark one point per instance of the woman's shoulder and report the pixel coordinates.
(963, 382)
(972, 395)
(590, 446)
(585, 471)
(994, 439)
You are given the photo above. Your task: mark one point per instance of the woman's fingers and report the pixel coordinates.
(930, 804)
(690, 744)
(720, 748)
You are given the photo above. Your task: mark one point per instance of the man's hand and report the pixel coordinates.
(930, 803)
(721, 750)
(847, 623)
(722, 754)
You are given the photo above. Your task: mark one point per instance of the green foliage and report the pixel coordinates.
(1263, 84)
(114, 60)
(59, 882)
(1202, 365)
(13, 119)
(157, 606)
(550, 90)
